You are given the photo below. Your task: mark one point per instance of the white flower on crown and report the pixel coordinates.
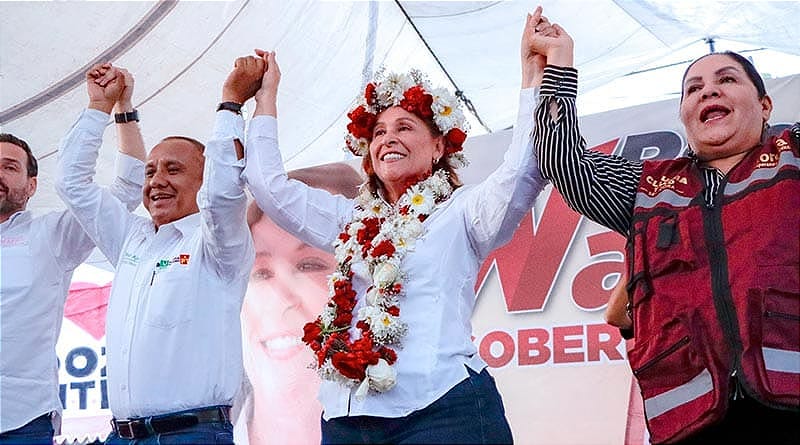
(389, 91)
(358, 146)
(446, 111)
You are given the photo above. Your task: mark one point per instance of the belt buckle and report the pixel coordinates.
(125, 429)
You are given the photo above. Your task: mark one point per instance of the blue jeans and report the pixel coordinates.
(472, 412)
(38, 431)
(209, 433)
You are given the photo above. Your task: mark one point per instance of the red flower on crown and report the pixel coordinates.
(417, 101)
(369, 94)
(361, 122)
(456, 139)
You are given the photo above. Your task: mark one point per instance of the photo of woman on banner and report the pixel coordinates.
(288, 286)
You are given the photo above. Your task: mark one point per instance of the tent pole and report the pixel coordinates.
(710, 41)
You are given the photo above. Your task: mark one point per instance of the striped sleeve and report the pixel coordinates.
(599, 186)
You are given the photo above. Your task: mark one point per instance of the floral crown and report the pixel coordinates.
(412, 92)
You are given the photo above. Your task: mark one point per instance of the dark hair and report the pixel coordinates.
(199, 145)
(747, 66)
(33, 166)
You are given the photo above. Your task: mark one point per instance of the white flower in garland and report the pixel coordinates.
(327, 315)
(385, 275)
(420, 200)
(386, 328)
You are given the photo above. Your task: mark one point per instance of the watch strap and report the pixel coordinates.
(234, 107)
(130, 116)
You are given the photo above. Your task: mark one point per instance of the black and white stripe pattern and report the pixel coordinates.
(602, 187)
(712, 178)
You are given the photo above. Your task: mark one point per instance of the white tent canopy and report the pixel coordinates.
(180, 53)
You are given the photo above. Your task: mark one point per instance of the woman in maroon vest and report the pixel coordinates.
(713, 250)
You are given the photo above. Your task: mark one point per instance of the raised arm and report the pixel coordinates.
(221, 199)
(312, 215)
(501, 201)
(101, 214)
(128, 183)
(599, 186)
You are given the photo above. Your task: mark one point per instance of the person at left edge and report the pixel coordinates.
(173, 331)
(39, 254)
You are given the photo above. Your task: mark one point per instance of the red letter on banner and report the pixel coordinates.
(533, 340)
(529, 264)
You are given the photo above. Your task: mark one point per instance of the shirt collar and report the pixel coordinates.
(20, 217)
(186, 225)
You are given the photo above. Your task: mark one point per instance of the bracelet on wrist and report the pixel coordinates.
(129, 116)
(233, 107)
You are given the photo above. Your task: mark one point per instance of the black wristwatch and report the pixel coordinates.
(233, 107)
(130, 116)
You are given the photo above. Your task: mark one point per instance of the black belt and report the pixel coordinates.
(140, 427)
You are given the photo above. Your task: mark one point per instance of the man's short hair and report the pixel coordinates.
(199, 145)
(33, 166)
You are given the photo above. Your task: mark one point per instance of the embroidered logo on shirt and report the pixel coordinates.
(665, 183)
(13, 241)
(130, 259)
(182, 259)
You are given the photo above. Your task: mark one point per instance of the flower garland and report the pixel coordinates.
(412, 92)
(379, 235)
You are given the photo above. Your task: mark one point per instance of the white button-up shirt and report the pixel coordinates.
(440, 271)
(173, 333)
(37, 258)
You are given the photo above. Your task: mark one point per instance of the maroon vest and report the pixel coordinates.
(716, 291)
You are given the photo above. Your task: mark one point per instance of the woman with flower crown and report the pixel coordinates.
(393, 344)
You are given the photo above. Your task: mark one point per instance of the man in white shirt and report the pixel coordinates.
(173, 337)
(38, 255)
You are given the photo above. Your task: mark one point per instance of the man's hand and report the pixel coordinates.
(267, 95)
(125, 101)
(104, 84)
(244, 80)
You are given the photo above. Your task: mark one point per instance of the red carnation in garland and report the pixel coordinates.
(371, 228)
(385, 247)
(311, 331)
(388, 354)
(349, 365)
(361, 123)
(343, 318)
(416, 100)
